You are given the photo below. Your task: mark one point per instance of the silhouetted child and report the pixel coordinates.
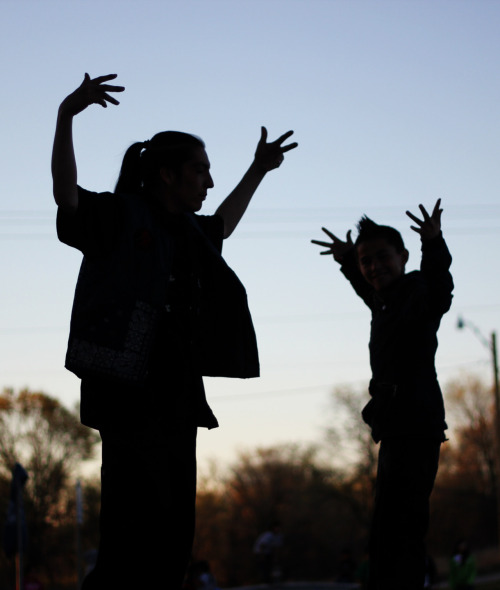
(406, 411)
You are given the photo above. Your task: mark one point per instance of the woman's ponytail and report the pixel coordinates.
(130, 178)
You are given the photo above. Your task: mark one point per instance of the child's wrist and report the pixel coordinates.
(430, 237)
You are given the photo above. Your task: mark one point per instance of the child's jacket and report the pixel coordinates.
(406, 397)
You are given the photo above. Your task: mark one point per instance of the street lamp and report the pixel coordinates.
(491, 344)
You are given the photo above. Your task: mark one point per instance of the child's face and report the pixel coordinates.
(380, 263)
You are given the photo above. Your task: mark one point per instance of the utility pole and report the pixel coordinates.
(20, 544)
(79, 522)
(491, 344)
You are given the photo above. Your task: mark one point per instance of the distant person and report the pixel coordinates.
(363, 570)
(430, 572)
(90, 558)
(205, 578)
(267, 550)
(32, 582)
(346, 568)
(406, 411)
(156, 307)
(462, 568)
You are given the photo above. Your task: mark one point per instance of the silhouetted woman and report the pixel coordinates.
(155, 309)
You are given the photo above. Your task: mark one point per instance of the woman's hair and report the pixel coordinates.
(142, 161)
(369, 230)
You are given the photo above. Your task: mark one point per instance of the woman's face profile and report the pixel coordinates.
(187, 191)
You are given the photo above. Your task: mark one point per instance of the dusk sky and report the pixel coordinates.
(393, 103)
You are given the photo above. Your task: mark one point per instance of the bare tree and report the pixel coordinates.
(470, 405)
(350, 442)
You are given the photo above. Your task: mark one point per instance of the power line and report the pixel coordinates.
(272, 393)
(460, 220)
(260, 319)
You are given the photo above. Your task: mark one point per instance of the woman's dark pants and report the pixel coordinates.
(147, 516)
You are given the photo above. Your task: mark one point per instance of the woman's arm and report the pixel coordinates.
(267, 157)
(64, 172)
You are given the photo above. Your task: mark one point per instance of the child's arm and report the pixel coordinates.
(337, 247)
(430, 226)
(344, 253)
(436, 258)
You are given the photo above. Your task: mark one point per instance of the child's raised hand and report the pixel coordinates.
(430, 226)
(337, 247)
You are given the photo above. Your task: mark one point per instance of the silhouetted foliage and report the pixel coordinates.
(324, 506)
(50, 442)
(352, 448)
(322, 495)
(284, 484)
(464, 499)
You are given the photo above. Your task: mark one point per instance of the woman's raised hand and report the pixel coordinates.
(90, 91)
(271, 155)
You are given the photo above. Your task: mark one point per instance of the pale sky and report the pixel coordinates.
(393, 103)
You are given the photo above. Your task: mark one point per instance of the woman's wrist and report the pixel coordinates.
(257, 168)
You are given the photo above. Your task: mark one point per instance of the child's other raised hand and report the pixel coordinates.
(430, 226)
(336, 247)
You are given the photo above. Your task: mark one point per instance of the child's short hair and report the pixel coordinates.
(369, 230)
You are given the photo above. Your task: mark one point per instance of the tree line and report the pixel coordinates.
(320, 494)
